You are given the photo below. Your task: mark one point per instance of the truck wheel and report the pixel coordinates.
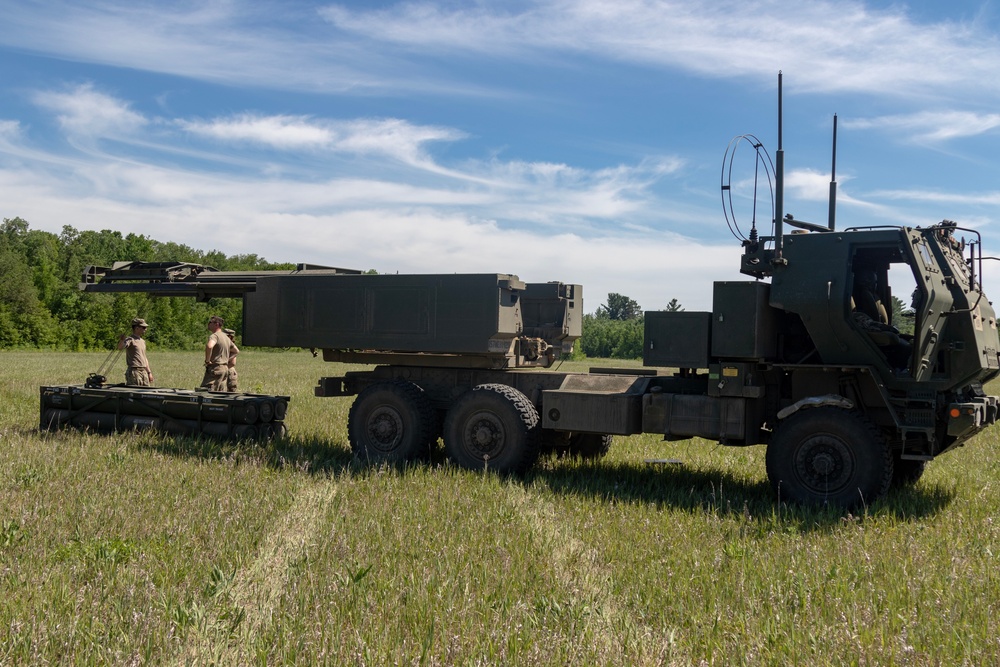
(589, 445)
(492, 427)
(390, 422)
(906, 472)
(830, 456)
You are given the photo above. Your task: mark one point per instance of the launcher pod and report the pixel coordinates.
(175, 411)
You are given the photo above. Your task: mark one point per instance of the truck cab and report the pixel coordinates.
(839, 346)
(817, 278)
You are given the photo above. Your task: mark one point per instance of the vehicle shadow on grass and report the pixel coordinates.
(309, 454)
(702, 490)
(718, 492)
(312, 455)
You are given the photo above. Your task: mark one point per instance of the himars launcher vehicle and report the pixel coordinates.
(804, 359)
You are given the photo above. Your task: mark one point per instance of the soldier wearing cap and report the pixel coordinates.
(217, 351)
(869, 315)
(231, 378)
(137, 372)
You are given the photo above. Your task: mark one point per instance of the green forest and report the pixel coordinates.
(41, 305)
(615, 330)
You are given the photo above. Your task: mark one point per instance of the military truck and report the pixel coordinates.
(805, 358)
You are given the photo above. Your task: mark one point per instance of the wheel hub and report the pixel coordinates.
(824, 464)
(485, 435)
(385, 428)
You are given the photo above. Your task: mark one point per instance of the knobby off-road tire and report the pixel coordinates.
(492, 427)
(390, 422)
(829, 455)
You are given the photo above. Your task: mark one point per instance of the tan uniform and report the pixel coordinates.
(217, 368)
(232, 378)
(137, 371)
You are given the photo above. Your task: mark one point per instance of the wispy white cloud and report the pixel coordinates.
(391, 136)
(283, 132)
(9, 128)
(83, 111)
(559, 194)
(555, 174)
(932, 126)
(834, 43)
(807, 192)
(964, 198)
(834, 46)
(515, 192)
(258, 44)
(10, 136)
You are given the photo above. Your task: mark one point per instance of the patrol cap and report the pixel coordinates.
(229, 332)
(139, 322)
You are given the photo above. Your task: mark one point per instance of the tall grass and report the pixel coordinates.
(145, 549)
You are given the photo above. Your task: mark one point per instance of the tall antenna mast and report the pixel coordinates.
(833, 179)
(779, 184)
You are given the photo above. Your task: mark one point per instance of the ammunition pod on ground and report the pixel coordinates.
(174, 411)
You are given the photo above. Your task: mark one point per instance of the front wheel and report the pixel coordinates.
(390, 422)
(829, 455)
(492, 427)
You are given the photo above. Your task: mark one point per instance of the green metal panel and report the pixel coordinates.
(610, 404)
(676, 339)
(455, 314)
(816, 283)
(682, 416)
(553, 311)
(744, 325)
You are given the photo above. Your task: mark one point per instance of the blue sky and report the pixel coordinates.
(569, 140)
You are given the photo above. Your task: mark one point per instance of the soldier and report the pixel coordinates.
(231, 378)
(216, 356)
(870, 316)
(137, 373)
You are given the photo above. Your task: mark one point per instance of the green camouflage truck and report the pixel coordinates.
(804, 358)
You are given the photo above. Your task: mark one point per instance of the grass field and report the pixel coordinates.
(138, 549)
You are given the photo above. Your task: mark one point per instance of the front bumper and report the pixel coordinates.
(967, 418)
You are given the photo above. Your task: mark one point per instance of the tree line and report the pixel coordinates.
(41, 305)
(615, 330)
